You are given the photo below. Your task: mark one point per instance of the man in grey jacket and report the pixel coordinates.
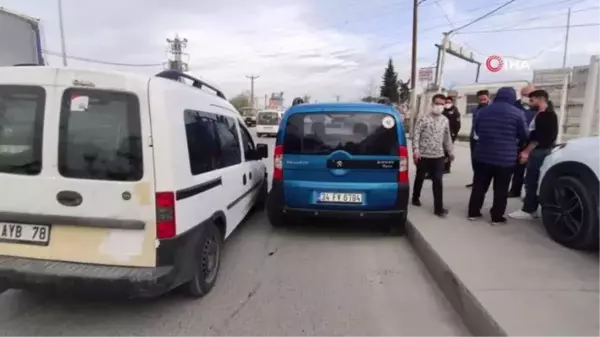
(431, 143)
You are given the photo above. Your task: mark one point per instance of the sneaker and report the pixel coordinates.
(416, 203)
(501, 221)
(520, 215)
(476, 217)
(442, 214)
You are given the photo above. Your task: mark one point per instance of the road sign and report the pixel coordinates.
(426, 74)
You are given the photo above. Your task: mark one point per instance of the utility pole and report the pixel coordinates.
(176, 47)
(567, 39)
(413, 73)
(62, 34)
(440, 77)
(252, 78)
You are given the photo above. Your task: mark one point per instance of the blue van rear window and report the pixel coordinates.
(356, 133)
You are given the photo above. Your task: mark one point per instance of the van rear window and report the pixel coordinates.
(268, 118)
(100, 136)
(355, 133)
(21, 128)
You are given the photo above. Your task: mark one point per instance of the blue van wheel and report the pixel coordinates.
(397, 225)
(275, 213)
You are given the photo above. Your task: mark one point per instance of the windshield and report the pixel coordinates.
(355, 133)
(268, 118)
(21, 126)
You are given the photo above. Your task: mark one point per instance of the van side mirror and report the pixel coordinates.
(262, 150)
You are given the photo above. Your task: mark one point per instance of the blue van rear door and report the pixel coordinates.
(341, 159)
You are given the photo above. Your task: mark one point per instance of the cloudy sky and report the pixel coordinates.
(322, 48)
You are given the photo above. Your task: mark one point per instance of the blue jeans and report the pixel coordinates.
(532, 175)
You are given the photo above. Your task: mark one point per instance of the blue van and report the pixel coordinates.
(340, 160)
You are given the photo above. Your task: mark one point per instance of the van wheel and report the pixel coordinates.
(570, 212)
(397, 225)
(208, 261)
(261, 201)
(275, 214)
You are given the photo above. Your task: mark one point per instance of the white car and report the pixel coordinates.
(120, 183)
(568, 193)
(267, 122)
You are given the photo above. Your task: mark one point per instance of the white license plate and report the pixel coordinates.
(343, 198)
(24, 233)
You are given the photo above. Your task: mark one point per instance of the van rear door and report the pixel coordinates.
(76, 170)
(343, 159)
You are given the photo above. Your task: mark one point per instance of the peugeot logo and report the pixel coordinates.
(339, 163)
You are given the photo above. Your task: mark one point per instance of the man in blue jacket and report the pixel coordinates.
(519, 175)
(500, 127)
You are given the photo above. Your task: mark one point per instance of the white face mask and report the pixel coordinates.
(448, 105)
(437, 109)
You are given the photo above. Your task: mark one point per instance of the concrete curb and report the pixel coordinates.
(475, 317)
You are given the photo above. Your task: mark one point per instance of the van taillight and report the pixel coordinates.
(278, 162)
(403, 169)
(165, 215)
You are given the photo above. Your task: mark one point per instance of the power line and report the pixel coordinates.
(484, 16)
(85, 59)
(529, 28)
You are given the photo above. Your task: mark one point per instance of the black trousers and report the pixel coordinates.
(434, 169)
(448, 163)
(472, 144)
(518, 178)
(483, 177)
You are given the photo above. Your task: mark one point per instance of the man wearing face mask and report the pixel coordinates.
(451, 112)
(483, 97)
(516, 185)
(431, 143)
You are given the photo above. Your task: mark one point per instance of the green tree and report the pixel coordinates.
(369, 99)
(240, 101)
(390, 85)
(403, 91)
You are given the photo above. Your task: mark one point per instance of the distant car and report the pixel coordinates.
(250, 121)
(568, 192)
(267, 122)
(341, 160)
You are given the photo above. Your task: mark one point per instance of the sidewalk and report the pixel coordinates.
(503, 280)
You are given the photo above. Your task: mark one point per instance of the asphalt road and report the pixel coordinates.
(313, 279)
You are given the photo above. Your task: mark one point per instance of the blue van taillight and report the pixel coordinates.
(278, 162)
(403, 169)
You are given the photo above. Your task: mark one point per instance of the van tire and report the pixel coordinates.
(261, 201)
(205, 276)
(397, 225)
(275, 214)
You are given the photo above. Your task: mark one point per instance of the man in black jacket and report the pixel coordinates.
(483, 97)
(451, 112)
(543, 132)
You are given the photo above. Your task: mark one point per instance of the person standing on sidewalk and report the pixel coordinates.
(516, 185)
(543, 134)
(483, 96)
(431, 143)
(500, 126)
(451, 112)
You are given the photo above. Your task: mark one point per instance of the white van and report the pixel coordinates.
(267, 122)
(119, 183)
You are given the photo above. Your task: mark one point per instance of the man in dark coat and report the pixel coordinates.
(500, 128)
(483, 96)
(519, 175)
(451, 112)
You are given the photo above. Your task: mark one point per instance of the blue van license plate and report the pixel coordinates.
(342, 198)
